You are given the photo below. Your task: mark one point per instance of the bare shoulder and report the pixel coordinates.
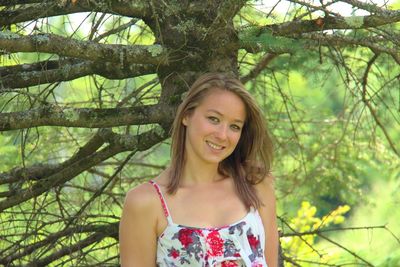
(141, 198)
(266, 189)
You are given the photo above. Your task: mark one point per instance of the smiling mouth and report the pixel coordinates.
(214, 146)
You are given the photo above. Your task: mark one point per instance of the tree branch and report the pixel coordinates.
(371, 109)
(57, 254)
(60, 177)
(116, 30)
(18, 2)
(292, 44)
(372, 8)
(86, 117)
(40, 171)
(345, 249)
(110, 230)
(42, 9)
(226, 11)
(261, 65)
(62, 46)
(25, 75)
(318, 231)
(342, 40)
(331, 23)
(118, 143)
(312, 8)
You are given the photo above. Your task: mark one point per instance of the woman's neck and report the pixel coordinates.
(200, 174)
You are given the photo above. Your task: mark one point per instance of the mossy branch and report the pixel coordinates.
(68, 47)
(331, 23)
(287, 37)
(31, 10)
(25, 75)
(52, 115)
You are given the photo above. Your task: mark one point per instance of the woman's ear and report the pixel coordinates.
(185, 120)
(186, 117)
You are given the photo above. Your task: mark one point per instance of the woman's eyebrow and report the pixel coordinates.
(219, 113)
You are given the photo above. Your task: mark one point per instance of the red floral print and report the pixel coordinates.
(253, 241)
(185, 236)
(215, 243)
(174, 253)
(257, 264)
(229, 264)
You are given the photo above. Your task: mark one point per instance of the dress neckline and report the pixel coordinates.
(216, 228)
(172, 223)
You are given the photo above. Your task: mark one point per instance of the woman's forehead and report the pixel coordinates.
(224, 103)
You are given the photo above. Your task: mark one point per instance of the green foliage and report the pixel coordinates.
(264, 40)
(379, 246)
(301, 246)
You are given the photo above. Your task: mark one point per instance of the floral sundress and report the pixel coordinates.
(240, 244)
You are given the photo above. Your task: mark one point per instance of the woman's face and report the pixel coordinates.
(213, 129)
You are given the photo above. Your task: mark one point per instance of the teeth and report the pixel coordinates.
(214, 145)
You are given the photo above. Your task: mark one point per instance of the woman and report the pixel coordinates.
(215, 204)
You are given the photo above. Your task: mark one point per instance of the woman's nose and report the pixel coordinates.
(222, 132)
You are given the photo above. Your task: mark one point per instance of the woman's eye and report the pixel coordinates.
(213, 119)
(236, 127)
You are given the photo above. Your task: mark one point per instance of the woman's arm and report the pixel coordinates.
(137, 229)
(266, 193)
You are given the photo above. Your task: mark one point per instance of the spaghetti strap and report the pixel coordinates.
(163, 202)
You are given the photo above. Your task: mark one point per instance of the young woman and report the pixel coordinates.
(215, 204)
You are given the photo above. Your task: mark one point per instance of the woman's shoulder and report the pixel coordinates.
(265, 188)
(141, 198)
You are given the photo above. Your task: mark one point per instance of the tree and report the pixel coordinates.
(101, 80)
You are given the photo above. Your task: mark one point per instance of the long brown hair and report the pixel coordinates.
(251, 160)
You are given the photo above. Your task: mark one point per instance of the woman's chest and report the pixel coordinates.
(206, 209)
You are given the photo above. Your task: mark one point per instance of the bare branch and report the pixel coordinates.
(339, 40)
(116, 30)
(346, 249)
(60, 177)
(372, 8)
(94, 238)
(261, 65)
(44, 9)
(312, 8)
(18, 2)
(62, 46)
(31, 173)
(318, 231)
(110, 230)
(118, 144)
(370, 107)
(290, 260)
(40, 171)
(85, 117)
(332, 23)
(25, 75)
(100, 190)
